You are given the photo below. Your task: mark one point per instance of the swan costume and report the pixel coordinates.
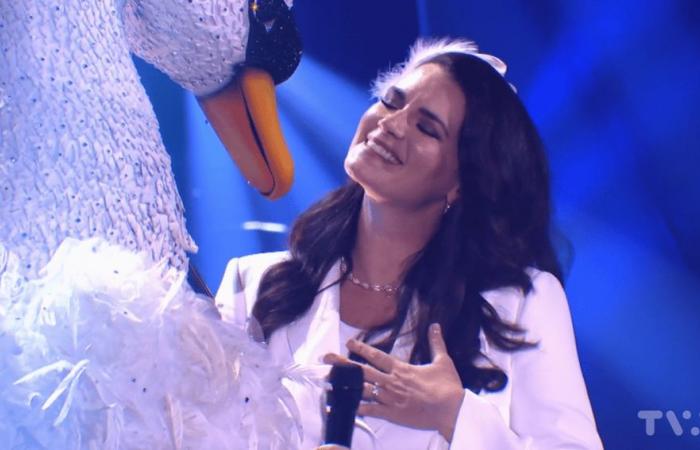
(102, 342)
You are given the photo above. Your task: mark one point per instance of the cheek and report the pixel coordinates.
(439, 164)
(450, 171)
(368, 122)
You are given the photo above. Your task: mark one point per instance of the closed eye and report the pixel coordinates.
(393, 99)
(428, 131)
(387, 104)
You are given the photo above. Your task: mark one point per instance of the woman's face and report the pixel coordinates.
(405, 147)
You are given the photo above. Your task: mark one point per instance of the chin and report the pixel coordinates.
(359, 173)
(356, 169)
(347, 166)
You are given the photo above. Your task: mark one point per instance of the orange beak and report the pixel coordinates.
(244, 116)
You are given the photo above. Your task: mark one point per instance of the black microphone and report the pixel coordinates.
(342, 401)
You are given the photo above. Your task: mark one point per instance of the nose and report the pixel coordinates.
(395, 123)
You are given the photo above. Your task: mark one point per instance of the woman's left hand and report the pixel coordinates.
(420, 396)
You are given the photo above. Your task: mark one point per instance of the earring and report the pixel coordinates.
(448, 205)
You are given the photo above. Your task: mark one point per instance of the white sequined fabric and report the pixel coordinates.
(162, 32)
(80, 150)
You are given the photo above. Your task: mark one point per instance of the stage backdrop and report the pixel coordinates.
(614, 88)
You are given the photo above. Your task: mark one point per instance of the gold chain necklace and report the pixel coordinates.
(386, 289)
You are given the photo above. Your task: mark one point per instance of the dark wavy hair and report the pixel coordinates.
(498, 227)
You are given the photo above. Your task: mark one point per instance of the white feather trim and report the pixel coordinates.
(110, 351)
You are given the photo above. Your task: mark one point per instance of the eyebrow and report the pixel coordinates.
(426, 112)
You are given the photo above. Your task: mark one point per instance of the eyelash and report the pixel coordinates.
(425, 131)
(387, 104)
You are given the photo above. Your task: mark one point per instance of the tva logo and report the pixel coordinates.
(677, 424)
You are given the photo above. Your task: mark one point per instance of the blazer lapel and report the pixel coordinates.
(318, 331)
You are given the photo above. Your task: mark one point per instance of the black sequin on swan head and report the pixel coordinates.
(274, 44)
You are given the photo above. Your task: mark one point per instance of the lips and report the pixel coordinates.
(381, 150)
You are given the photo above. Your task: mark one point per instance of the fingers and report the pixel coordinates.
(332, 358)
(373, 392)
(371, 375)
(437, 343)
(376, 357)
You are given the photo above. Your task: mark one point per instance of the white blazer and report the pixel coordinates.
(544, 405)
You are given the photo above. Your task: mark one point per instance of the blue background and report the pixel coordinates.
(614, 88)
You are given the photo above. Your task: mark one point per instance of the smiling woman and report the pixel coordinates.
(415, 131)
(434, 267)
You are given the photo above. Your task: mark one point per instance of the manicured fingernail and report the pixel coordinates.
(351, 343)
(328, 358)
(435, 328)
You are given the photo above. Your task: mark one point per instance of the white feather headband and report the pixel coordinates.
(426, 49)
